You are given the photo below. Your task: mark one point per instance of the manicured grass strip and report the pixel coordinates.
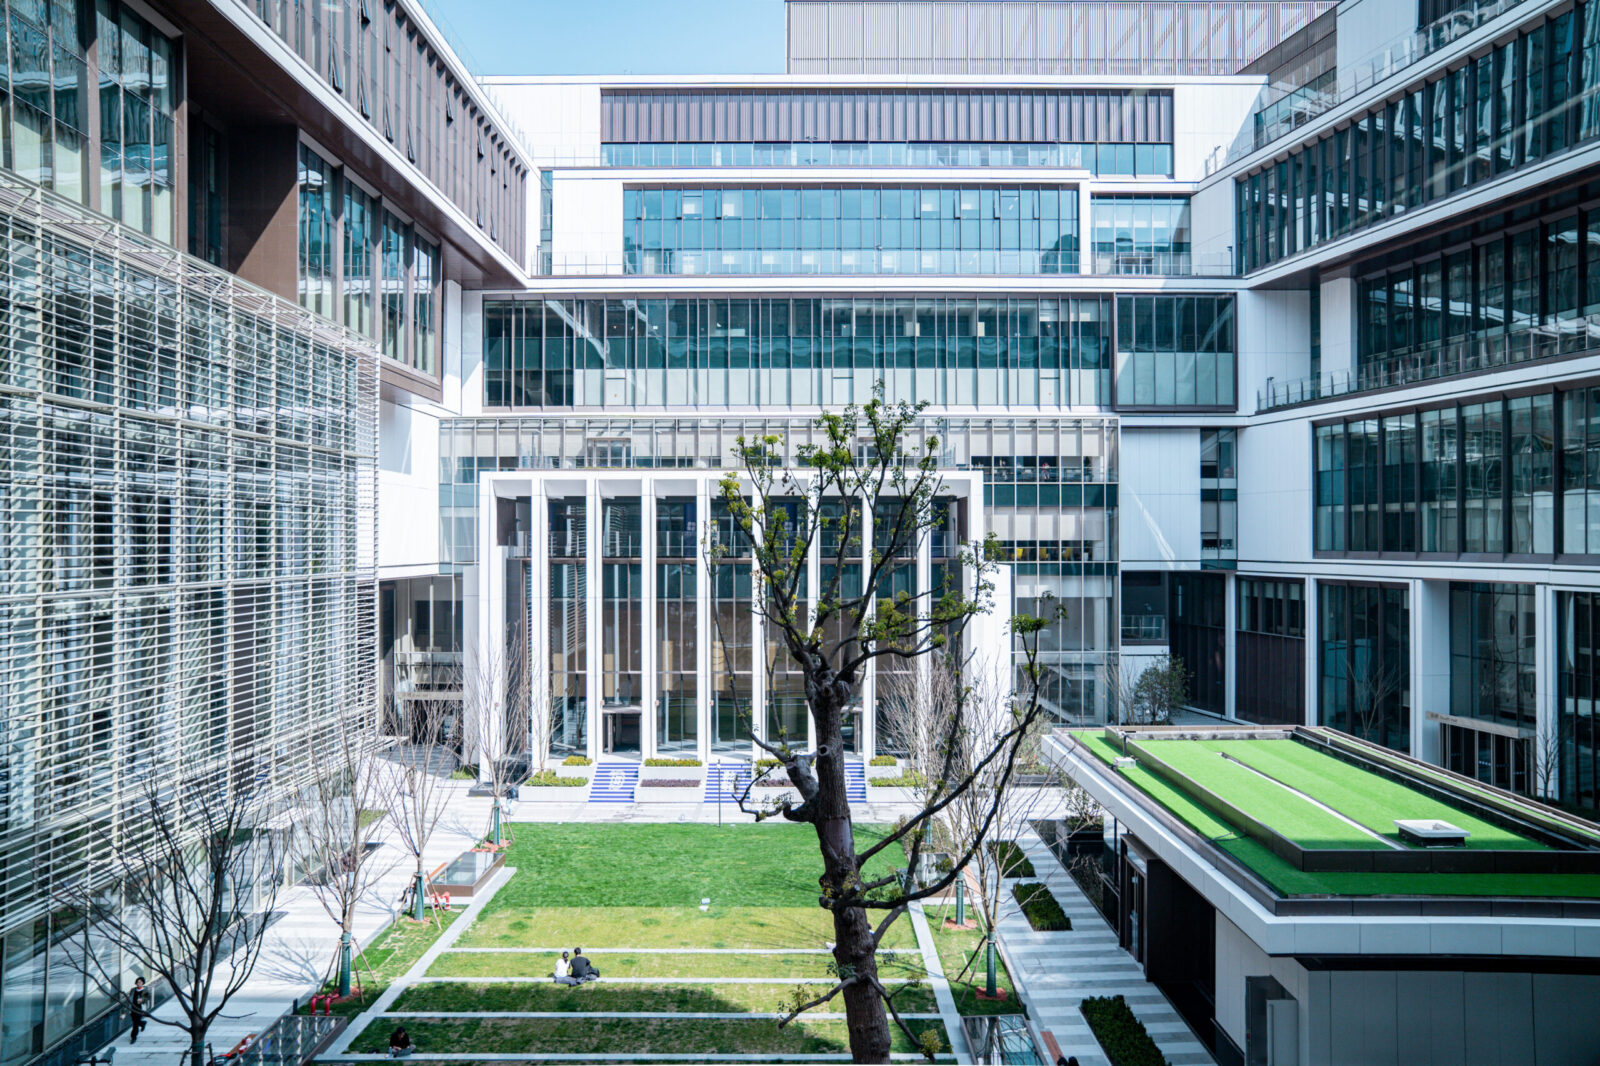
(1010, 859)
(519, 964)
(1270, 804)
(1095, 740)
(390, 954)
(955, 947)
(661, 927)
(636, 1035)
(1369, 798)
(600, 997)
(1122, 1036)
(1044, 914)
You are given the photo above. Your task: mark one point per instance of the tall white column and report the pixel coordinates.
(538, 664)
(703, 635)
(481, 668)
(650, 683)
(592, 594)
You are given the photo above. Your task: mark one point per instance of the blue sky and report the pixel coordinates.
(618, 36)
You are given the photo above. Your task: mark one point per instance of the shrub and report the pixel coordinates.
(672, 762)
(464, 773)
(669, 782)
(883, 760)
(767, 764)
(1122, 1036)
(1010, 859)
(575, 760)
(550, 778)
(909, 779)
(1044, 914)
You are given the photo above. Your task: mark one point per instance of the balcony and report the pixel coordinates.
(1164, 264)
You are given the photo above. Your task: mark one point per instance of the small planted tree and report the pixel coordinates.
(511, 723)
(171, 899)
(1161, 690)
(862, 468)
(415, 787)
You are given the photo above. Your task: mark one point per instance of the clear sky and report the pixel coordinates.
(618, 36)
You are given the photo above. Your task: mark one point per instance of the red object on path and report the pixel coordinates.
(1000, 995)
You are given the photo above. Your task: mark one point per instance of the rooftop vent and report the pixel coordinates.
(1430, 832)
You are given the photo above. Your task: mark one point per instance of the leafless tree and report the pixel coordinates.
(510, 723)
(414, 785)
(338, 826)
(1371, 688)
(1544, 757)
(192, 872)
(787, 507)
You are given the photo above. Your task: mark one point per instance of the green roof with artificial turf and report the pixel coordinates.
(1318, 801)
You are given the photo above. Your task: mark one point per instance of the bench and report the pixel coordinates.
(1052, 1049)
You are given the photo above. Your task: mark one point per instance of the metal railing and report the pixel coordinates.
(1144, 627)
(1355, 78)
(1442, 361)
(1163, 264)
(880, 262)
(290, 1041)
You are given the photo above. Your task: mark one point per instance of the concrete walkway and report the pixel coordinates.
(1055, 972)
(941, 987)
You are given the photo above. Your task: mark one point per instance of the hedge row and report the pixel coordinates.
(1010, 859)
(1044, 914)
(1122, 1036)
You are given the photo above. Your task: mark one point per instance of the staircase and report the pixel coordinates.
(614, 782)
(726, 781)
(855, 781)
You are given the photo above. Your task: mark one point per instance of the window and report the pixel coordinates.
(316, 233)
(1175, 351)
(1577, 692)
(1144, 607)
(1219, 495)
(1492, 665)
(138, 98)
(1364, 662)
(1269, 653)
(1141, 234)
(356, 282)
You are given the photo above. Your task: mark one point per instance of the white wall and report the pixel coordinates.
(587, 227)
(1211, 221)
(1338, 327)
(562, 122)
(1238, 957)
(1274, 492)
(1206, 118)
(1159, 499)
(408, 485)
(1273, 339)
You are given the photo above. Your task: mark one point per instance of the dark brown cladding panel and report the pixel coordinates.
(1023, 116)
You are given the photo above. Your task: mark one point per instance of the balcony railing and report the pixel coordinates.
(1145, 628)
(1442, 361)
(1164, 264)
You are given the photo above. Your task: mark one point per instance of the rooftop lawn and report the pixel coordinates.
(666, 966)
(436, 997)
(1289, 881)
(1268, 802)
(1371, 799)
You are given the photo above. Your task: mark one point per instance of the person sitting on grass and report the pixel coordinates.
(564, 971)
(399, 1043)
(582, 968)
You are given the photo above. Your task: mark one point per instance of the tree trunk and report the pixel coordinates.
(197, 1049)
(853, 949)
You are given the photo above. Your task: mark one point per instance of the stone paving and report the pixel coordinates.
(1055, 972)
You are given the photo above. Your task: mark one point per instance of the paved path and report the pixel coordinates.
(1055, 972)
(941, 987)
(821, 980)
(719, 1016)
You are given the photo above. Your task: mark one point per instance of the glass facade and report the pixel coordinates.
(187, 500)
(1493, 671)
(1364, 661)
(1219, 498)
(1269, 651)
(1140, 234)
(355, 258)
(686, 353)
(869, 229)
(1577, 691)
(1523, 101)
(1175, 351)
(1469, 479)
(1104, 160)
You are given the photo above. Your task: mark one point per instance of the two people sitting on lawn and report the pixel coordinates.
(576, 970)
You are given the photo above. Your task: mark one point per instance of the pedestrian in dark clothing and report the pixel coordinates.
(582, 968)
(399, 1043)
(138, 1008)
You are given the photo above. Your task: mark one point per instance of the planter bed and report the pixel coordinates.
(668, 790)
(890, 769)
(555, 787)
(582, 770)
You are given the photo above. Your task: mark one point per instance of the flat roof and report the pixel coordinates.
(1312, 812)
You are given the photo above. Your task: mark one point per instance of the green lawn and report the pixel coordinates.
(522, 964)
(580, 1035)
(955, 946)
(601, 996)
(391, 953)
(1269, 803)
(1369, 798)
(661, 927)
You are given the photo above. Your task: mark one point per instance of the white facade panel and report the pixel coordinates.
(1274, 492)
(1159, 498)
(408, 487)
(587, 235)
(1274, 339)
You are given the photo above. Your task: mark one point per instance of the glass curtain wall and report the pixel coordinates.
(1175, 351)
(1519, 103)
(568, 635)
(1270, 652)
(138, 100)
(1579, 461)
(787, 719)
(868, 229)
(1219, 498)
(621, 623)
(717, 353)
(1364, 661)
(1109, 159)
(732, 636)
(1140, 234)
(677, 619)
(1578, 690)
(47, 80)
(1493, 673)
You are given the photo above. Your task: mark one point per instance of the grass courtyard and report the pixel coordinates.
(631, 894)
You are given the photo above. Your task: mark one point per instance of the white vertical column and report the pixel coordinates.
(482, 669)
(1230, 645)
(1430, 664)
(650, 683)
(1085, 230)
(703, 635)
(1313, 616)
(538, 664)
(595, 542)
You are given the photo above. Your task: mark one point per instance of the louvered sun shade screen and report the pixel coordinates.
(1024, 116)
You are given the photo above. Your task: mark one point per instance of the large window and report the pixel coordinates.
(1577, 695)
(1219, 498)
(1473, 479)
(1364, 661)
(1175, 351)
(1492, 666)
(1110, 159)
(568, 632)
(1515, 105)
(677, 639)
(1141, 234)
(1028, 229)
(1198, 620)
(1269, 651)
(620, 353)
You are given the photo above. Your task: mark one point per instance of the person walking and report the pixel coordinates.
(138, 1008)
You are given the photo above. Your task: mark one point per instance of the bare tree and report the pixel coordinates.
(196, 874)
(786, 508)
(339, 826)
(414, 785)
(1371, 687)
(511, 723)
(1544, 757)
